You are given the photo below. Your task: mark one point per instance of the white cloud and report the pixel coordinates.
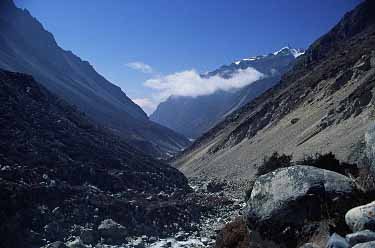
(140, 66)
(190, 83)
(146, 104)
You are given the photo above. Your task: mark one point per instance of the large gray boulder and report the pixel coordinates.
(361, 218)
(360, 237)
(283, 201)
(112, 232)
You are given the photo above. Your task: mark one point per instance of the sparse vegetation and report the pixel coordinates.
(329, 161)
(274, 162)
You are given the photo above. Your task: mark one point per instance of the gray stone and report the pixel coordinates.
(288, 197)
(309, 245)
(361, 218)
(112, 231)
(336, 241)
(57, 244)
(360, 237)
(76, 243)
(53, 230)
(87, 236)
(365, 245)
(180, 236)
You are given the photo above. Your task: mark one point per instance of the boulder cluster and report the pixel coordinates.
(304, 206)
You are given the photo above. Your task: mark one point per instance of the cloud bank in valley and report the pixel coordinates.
(190, 83)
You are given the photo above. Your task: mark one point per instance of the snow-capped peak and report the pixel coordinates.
(288, 50)
(249, 59)
(283, 51)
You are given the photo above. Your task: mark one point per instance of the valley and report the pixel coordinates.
(283, 159)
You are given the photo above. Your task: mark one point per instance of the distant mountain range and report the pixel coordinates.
(192, 116)
(25, 46)
(324, 104)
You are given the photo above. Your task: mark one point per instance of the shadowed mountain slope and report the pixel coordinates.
(53, 157)
(25, 46)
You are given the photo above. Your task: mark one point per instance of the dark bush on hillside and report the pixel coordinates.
(274, 162)
(329, 161)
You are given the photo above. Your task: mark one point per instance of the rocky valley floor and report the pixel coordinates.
(220, 202)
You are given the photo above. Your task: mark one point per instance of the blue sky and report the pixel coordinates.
(132, 41)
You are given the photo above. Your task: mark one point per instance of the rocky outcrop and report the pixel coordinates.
(25, 46)
(282, 202)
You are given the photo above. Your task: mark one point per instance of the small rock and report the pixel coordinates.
(309, 245)
(360, 237)
(112, 231)
(180, 236)
(138, 243)
(336, 241)
(76, 243)
(152, 239)
(365, 245)
(361, 218)
(294, 120)
(53, 230)
(87, 236)
(205, 241)
(57, 244)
